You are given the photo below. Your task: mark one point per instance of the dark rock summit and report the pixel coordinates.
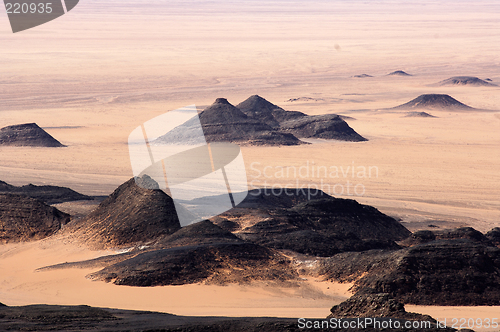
(328, 126)
(47, 194)
(28, 134)
(129, 215)
(398, 73)
(464, 80)
(259, 108)
(418, 115)
(24, 219)
(434, 101)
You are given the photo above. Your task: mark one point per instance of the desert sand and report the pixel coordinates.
(92, 76)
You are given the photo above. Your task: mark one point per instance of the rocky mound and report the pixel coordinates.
(129, 215)
(398, 73)
(322, 227)
(434, 101)
(47, 194)
(425, 236)
(201, 252)
(494, 236)
(259, 108)
(222, 122)
(461, 269)
(464, 80)
(418, 115)
(281, 198)
(374, 305)
(24, 219)
(28, 134)
(330, 126)
(362, 76)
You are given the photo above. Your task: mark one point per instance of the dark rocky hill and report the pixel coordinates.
(434, 101)
(129, 215)
(398, 73)
(47, 194)
(28, 134)
(259, 108)
(464, 80)
(418, 115)
(362, 76)
(222, 122)
(320, 227)
(494, 236)
(458, 267)
(328, 126)
(196, 253)
(24, 219)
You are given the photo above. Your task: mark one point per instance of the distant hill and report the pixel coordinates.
(464, 80)
(434, 101)
(28, 134)
(47, 194)
(398, 73)
(362, 76)
(257, 107)
(223, 122)
(329, 126)
(256, 121)
(24, 219)
(418, 115)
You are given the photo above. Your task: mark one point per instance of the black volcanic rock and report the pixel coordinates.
(269, 198)
(464, 80)
(418, 115)
(434, 101)
(129, 215)
(24, 219)
(398, 73)
(325, 227)
(47, 194)
(461, 270)
(362, 76)
(494, 236)
(259, 108)
(329, 126)
(373, 305)
(216, 263)
(28, 134)
(425, 236)
(222, 122)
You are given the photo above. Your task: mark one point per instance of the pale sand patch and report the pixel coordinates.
(475, 318)
(22, 285)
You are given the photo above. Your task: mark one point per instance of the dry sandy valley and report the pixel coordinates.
(94, 75)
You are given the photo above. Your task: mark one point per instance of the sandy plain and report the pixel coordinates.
(92, 76)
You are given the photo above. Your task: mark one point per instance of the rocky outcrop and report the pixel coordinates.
(129, 215)
(47, 194)
(434, 101)
(418, 115)
(330, 126)
(399, 73)
(24, 219)
(320, 227)
(28, 134)
(464, 80)
(196, 253)
(222, 122)
(494, 236)
(459, 267)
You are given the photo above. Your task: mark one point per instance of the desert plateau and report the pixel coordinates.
(368, 134)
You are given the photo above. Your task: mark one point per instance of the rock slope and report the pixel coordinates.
(47, 194)
(28, 134)
(24, 219)
(434, 101)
